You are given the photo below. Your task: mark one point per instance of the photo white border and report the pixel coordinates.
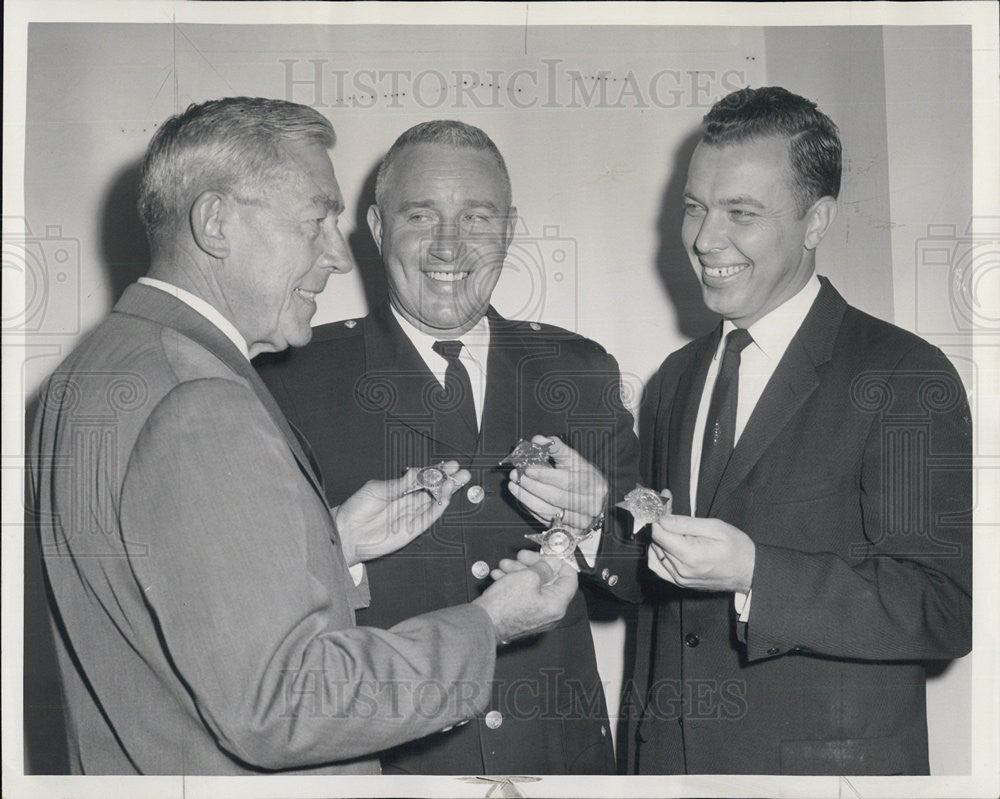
(981, 16)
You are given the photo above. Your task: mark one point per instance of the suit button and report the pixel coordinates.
(480, 569)
(494, 719)
(613, 580)
(350, 323)
(605, 573)
(773, 650)
(475, 494)
(692, 640)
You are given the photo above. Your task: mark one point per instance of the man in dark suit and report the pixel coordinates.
(434, 372)
(820, 464)
(201, 594)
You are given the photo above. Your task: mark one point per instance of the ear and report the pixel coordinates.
(821, 216)
(511, 224)
(207, 217)
(375, 225)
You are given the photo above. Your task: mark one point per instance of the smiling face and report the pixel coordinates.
(283, 251)
(742, 229)
(443, 230)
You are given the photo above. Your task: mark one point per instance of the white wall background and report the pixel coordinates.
(596, 126)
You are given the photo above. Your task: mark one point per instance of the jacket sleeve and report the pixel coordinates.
(251, 597)
(903, 590)
(612, 446)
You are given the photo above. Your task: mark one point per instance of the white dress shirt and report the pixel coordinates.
(771, 336)
(474, 355)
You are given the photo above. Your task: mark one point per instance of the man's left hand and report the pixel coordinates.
(706, 554)
(377, 519)
(573, 486)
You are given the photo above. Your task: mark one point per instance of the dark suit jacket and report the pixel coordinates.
(358, 393)
(204, 613)
(853, 478)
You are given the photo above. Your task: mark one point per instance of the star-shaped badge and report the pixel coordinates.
(527, 453)
(646, 506)
(430, 479)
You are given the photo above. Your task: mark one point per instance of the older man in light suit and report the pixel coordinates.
(201, 593)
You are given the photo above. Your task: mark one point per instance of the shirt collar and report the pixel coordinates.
(209, 311)
(475, 340)
(772, 333)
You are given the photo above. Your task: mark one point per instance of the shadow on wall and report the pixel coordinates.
(672, 265)
(363, 246)
(124, 249)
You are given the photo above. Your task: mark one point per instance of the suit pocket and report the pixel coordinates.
(879, 756)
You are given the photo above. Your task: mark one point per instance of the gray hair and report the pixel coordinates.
(449, 132)
(233, 145)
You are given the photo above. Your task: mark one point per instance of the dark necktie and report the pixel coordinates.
(456, 412)
(720, 425)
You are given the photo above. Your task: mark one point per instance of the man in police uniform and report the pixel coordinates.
(434, 372)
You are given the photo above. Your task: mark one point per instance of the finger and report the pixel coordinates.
(528, 557)
(658, 567)
(546, 573)
(562, 453)
(677, 544)
(508, 565)
(546, 512)
(687, 525)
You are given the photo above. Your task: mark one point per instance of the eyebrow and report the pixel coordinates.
(431, 204)
(330, 203)
(741, 199)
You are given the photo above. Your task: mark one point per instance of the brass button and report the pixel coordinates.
(475, 494)
(605, 573)
(480, 569)
(494, 719)
(534, 325)
(350, 323)
(613, 579)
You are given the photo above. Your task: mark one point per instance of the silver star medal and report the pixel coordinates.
(430, 479)
(559, 541)
(526, 454)
(646, 506)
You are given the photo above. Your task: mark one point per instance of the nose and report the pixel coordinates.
(444, 244)
(711, 233)
(336, 254)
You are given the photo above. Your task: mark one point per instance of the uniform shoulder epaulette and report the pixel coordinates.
(332, 331)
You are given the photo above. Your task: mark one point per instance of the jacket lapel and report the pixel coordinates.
(683, 413)
(158, 306)
(795, 378)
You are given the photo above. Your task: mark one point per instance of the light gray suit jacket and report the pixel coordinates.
(203, 609)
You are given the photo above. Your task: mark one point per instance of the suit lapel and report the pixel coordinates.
(683, 413)
(158, 306)
(795, 378)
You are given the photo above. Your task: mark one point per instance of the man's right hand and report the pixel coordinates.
(529, 596)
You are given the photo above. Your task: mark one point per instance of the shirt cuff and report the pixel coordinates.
(742, 603)
(588, 548)
(357, 572)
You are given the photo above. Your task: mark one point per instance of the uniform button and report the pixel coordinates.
(480, 569)
(692, 640)
(773, 650)
(613, 579)
(604, 731)
(494, 719)
(350, 323)
(534, 325)
(475, 494)
(605, 573)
